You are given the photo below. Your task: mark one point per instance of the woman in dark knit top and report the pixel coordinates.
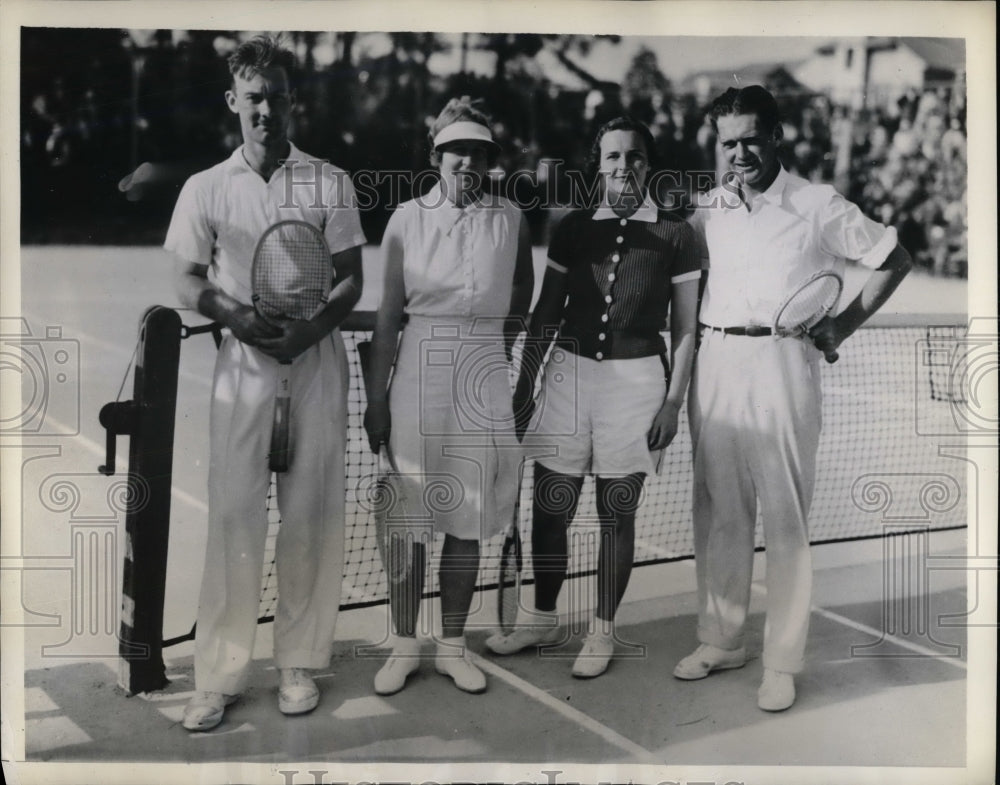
(607, 405)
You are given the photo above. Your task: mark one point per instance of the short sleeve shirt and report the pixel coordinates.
(457, 261)
(621, 270)
(222, 212)
(757, 255)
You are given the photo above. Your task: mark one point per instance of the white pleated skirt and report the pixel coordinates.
(453, 427)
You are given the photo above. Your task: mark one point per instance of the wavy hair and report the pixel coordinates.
(752, 99)
(260, 52)
(623, 123)
(464, 109)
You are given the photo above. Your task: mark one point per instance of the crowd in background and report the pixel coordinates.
(911, 172)
(93, 107)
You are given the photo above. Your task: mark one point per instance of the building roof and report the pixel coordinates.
(947, 54)
(775, 76)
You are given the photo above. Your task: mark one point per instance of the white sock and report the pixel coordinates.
(601, 628)
(451, 646)
(545, 619)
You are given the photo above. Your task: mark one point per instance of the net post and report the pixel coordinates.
(147, 520)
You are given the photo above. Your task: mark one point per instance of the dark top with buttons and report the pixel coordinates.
(620, 275)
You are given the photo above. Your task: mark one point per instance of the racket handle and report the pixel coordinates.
(280, 456)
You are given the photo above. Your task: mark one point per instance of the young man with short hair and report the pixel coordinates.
(220, 214)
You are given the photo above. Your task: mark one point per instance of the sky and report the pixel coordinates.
(677, 55)
(680, 55)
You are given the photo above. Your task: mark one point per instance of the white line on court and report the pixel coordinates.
(955, 661)
(122, 465)
(878, 634)
(574, 715)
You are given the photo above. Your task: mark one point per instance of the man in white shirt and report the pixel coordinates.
(755, 404)
(219, 216)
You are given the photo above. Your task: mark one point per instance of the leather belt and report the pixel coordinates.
(612, 344)
(752, 330)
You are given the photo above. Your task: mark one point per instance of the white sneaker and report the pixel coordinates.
(777, 691)
(594, 657)
(524, 637)
(707, 658)
(204, 711)
(404, 660)
(452, 660)
(297, 692)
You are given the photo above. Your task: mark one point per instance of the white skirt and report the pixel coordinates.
(452, 431)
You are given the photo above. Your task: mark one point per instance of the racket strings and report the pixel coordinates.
(291, 272)
(809, 304)
(508, 597)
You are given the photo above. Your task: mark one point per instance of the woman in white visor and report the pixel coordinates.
(457, 266)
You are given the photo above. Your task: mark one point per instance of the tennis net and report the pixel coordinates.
(895, 392)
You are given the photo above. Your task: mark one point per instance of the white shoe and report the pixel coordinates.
(452, 660)
(522, 638)
(404, 660)
(297, 692)
(594, 657)
(707, 658)
(777, 691)
(204, 711)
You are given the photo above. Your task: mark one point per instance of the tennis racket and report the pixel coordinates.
(803, 309)
(512, 556)
(511, 561)
(292, 276)
(395, 547)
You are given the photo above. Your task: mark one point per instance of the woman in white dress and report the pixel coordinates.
(458, 282)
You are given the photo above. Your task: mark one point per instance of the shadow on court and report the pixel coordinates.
(75, 712)
(900, 708)
(895, 709)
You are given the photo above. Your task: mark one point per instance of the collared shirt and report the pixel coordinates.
(621, 269)
(757, 253)
(647, 212)
(457, 261)
(221, 212)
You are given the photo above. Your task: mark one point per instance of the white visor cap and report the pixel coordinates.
(464, 131)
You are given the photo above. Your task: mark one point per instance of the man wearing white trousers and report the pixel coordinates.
(220, 214)
(755, 399)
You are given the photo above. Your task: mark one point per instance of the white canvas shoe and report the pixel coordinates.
(404, 660)
(707, 658)
(522, 638)
(297, 692)
(204, 711)
(594, 657)
(452, 660)
(777, 691)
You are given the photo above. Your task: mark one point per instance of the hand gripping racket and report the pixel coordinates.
(803, 309)
(511, 561)
(395, 547)
(292, 276)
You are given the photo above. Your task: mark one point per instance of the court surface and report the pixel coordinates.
(902, 702)
(904, 707)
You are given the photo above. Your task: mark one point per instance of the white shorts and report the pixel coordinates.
(594, 417)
